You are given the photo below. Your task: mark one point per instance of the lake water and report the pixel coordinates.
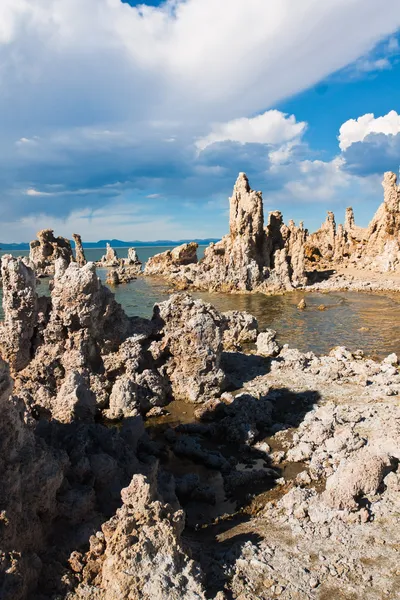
(356, 320)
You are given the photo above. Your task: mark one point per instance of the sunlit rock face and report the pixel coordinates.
(251, 257)
(46, 250)
(79, 252)
(170, 260)
(20, 305)
(376, 247)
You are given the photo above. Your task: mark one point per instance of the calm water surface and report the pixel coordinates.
(356, 320)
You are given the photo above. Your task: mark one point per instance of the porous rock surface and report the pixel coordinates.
(92, 515)
(375, 248)
(138, 554)
(46, 249)
(79, 252)
(172, 260)
(249, 258)
(124, 269)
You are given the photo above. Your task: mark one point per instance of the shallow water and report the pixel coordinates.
(368, 321)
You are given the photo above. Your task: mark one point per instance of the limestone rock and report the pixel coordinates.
(30, 478)
(162, 263)
(267, 344)
(110, 258)
(191, 341)
(20, 305)
(249, 258)
(356, 477)
(79, 252)
(240, 328)
(376, 247)
(46, 250)
(138, 555)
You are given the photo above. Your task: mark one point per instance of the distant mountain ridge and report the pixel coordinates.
(116, 244)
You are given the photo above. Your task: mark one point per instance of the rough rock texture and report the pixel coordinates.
(249, 258)
(171, 260)
(20, 304)
(240, 328)
(192, 338)
(79, 252)
(376, 247)
(127, 270)
(267, 344)
(110, 258)
(30, 477)
(138, 554)
(46, 250)
(77, 354)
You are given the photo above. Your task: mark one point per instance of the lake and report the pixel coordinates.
(368, 321)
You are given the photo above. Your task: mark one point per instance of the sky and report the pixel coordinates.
(132, 121)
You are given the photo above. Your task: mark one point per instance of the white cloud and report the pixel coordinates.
(271, 127)
(97, 92)
(356, 130)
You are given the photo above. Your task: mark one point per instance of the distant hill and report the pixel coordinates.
(115, 244)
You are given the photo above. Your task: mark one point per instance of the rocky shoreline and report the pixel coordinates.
(281, 480)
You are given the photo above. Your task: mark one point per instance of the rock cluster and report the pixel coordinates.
(110, 258)
(249, 258)
(129, 268)
(376, 247)
(88, 513)
(46, 250)
(77, 353)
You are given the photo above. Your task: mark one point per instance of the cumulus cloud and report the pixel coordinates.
(356, 130)
(102, 101)
(271, 127)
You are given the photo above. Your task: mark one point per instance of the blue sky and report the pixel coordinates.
(132, 121)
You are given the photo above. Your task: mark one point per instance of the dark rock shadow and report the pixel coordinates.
(240, 368)
(219, 472)
(319, 276)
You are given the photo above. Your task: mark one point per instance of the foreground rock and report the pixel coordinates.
(138, 554)
(306, 446)
(46, 250)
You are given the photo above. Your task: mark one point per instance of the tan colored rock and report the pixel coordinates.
(354, 478)
(249, 258)
(167, 261)
(128, 270)
(267, 344)
(240, 328)
(46, 250)
(110, 258)
(79, 252)
(30, 478)
(191, 341)
(20, 306)
(302, 304)
(138, 554)
(375, 248)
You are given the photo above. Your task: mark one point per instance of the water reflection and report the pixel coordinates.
(368, 321)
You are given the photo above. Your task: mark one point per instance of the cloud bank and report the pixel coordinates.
(104, 105)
